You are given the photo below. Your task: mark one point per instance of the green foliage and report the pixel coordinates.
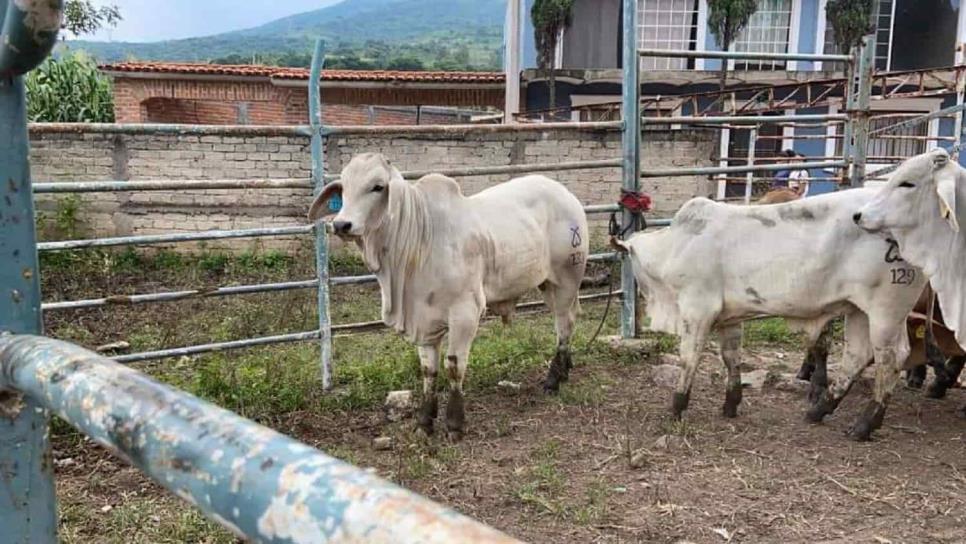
(69, 89)
(850, 20)
(82, 17)
(727, 18)
(550, 18)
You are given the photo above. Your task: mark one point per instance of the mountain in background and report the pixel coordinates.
(401, 34)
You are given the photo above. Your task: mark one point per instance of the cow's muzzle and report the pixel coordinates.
(342, 228)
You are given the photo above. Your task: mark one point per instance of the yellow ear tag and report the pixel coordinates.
(921, 331)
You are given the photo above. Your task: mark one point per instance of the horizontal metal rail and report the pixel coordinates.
(601, 208)
(180, 295)
(261, 485)
(740, 55)
(291, 338)
(513, 168)
(49, 187)
(742, 119)
(921, 119)
(172, 238)
(154, 129)
(712, 170)
(467, 129)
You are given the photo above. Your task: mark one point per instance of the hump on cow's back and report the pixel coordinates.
(439, 184)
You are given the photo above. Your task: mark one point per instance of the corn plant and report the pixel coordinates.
(69, 89)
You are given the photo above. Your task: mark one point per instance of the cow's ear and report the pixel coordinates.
(946, 188)
(319, 207)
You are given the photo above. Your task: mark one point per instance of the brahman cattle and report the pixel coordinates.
(923, 207)
(442, 258)
(718, 265)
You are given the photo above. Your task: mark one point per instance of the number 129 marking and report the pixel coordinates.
(903, 276)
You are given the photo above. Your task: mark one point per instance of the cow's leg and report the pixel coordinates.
(429, 364)
(858, 356)
(562, 301)
(947, 378)
(692, 342)
(818, 353)
(463, 324)
(915, 377)
(891, 346)
(731, 355)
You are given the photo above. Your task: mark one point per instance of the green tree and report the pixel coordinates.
(550, 18)
(69, 89)
(850, 20)
(409, 63)
(82, 17)
(726, 19)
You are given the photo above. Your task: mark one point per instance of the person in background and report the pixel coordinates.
(798, 180)
(781, 177)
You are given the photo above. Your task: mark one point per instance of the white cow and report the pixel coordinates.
(923, 206)
(718, 265)
(442, 258)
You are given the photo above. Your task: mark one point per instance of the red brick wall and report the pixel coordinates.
(221, 103)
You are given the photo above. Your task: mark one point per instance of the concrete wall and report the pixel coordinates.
(93, 157)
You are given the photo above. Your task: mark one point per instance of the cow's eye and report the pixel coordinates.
(907, 185)
(378, 188)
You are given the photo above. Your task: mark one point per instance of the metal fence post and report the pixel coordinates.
(861, 108)
(321, 236)
(750, 176)
(28, 509)
(631, 171)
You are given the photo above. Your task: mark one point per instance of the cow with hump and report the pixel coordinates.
(442, 258)
(719, 265)
(923, 207)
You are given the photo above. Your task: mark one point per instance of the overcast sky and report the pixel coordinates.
(155, 20)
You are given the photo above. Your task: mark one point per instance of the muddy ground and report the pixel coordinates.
(559, 469)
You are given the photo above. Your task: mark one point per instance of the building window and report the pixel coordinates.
(883, 33)
(667, 24)
(767, 32)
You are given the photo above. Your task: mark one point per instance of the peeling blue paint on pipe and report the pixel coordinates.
(258, 483)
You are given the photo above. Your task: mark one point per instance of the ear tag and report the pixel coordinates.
(335, 202)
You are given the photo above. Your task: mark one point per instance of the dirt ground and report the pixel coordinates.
(559, 470)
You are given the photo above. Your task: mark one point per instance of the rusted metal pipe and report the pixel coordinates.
(258, 483)
(173, 238)
(53, 187)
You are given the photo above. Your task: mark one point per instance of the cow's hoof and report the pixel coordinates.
(805, 373)
(732, 400)
(679, 403)
(861, 431)
(914, 382)
(868, 421)
(427, 415)
(455, 415)
(551, 386)
(823, 406)
(937, 390)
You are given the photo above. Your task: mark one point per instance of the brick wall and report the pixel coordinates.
(93, 157)
(247, 103)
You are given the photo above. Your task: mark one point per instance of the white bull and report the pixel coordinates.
(442, 258)
(923, 206)
(718, 265)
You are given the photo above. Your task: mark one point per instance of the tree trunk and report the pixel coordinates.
(552, 82)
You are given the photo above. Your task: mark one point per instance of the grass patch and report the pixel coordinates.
(772, 331)
(542, 483)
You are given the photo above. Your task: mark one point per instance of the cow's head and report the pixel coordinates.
(925, 184)
(364, 187)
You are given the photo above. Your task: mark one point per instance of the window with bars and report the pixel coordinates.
(667, 24)
(883, 34)
(767, 31)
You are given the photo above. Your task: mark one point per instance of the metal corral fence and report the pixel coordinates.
(261, 485)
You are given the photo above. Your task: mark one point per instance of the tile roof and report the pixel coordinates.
(277, 72)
